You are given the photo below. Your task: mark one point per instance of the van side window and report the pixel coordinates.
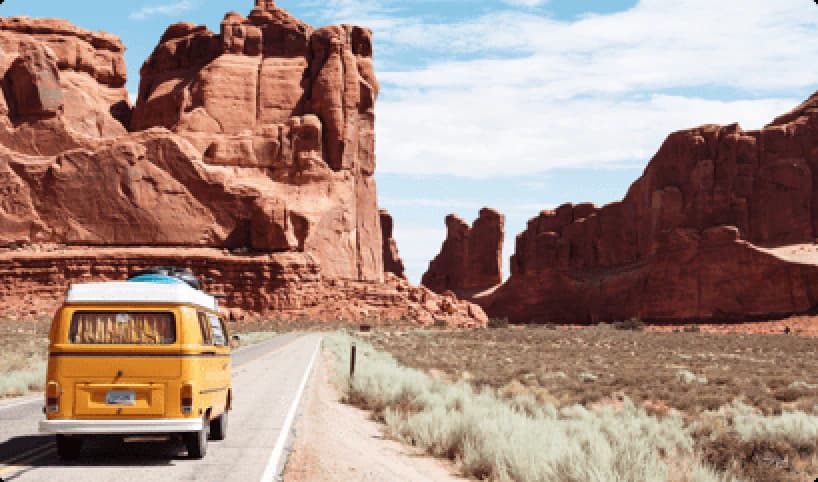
(204, 327)
(219, 338)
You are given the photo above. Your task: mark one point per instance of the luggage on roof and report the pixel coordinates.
(165, 275)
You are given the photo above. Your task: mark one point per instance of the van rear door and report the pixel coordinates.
(120, 362)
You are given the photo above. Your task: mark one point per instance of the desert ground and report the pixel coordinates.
(746, 402)
(740, 405)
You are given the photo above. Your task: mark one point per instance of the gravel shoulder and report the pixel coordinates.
(337, 442)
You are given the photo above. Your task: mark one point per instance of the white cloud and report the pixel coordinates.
(456, 204)
(169, 9)
(525, 3)
(536, 93)
(512, 134)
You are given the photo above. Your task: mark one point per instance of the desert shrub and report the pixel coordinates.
(254, 337)
(498, 323)
(687, 377)
(517, 438)
(24, 380)
(738, 437)
(440, 323)
(633, 324)
(588, 377)
(692, 329)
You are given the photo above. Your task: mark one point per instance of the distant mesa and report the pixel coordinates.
(721, 227)
(470, 260)
(392, 262)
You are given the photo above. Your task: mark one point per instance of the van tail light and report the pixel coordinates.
(52, 397)
(187, 398)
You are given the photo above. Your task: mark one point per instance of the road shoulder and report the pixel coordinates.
(337, 442)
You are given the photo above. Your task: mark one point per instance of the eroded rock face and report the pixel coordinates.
(698, 236)
(260, 137)
(392, 262)
(470, 259)
(270, 92)
(63, 86)
(249, 157)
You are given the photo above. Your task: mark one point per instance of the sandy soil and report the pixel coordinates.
(336, 442)
(798, 325)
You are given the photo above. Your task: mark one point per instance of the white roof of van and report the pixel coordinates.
(130, 292)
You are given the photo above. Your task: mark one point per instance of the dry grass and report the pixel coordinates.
(507, 437)
(700, 378)
(23, 349)
(691, 372)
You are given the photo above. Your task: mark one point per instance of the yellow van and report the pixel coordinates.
(148, 356)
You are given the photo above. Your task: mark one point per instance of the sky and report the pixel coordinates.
(522, 105)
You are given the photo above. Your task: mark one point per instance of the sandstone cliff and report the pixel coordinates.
(721, 225)
(248, 150)
(470, 259)
(392, 262)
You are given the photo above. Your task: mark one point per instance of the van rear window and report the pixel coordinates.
(122, 328)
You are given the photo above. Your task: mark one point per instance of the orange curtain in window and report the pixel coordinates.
(118, 328)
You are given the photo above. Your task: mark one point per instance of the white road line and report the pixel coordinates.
(18, 403)
(278, 450)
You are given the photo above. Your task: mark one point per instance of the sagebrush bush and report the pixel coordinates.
(517, 439)
(254, 337)
(23, 381)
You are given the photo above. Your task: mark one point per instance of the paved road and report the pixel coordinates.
(267, 380)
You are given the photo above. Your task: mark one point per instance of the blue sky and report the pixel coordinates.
(522, 105)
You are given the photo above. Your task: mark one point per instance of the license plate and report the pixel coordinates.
(120, 397)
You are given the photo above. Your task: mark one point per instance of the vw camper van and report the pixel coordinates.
(148, 356)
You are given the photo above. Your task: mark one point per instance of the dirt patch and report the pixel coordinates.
(337, 442)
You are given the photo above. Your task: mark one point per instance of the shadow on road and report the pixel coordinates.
(96, 452)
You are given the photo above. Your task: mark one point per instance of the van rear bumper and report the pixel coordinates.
(121, 427)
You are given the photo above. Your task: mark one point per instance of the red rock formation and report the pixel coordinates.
(470, 259)
(260, 97)
(283, 285)
(392, 262)
(259, 139)
(704, 234)
(271, 92)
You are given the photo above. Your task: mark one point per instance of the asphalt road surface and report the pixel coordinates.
(268, 380)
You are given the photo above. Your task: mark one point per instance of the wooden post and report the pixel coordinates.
(352, 362)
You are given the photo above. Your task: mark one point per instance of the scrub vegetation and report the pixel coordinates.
(542, 404)
(23, 350)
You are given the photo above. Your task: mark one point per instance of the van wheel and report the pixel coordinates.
(218, 427)
(196, 442)
(68, 448)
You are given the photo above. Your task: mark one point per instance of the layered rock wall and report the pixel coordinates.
(258, 138)
(282, 285)
(699, 236)
(470, 259)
